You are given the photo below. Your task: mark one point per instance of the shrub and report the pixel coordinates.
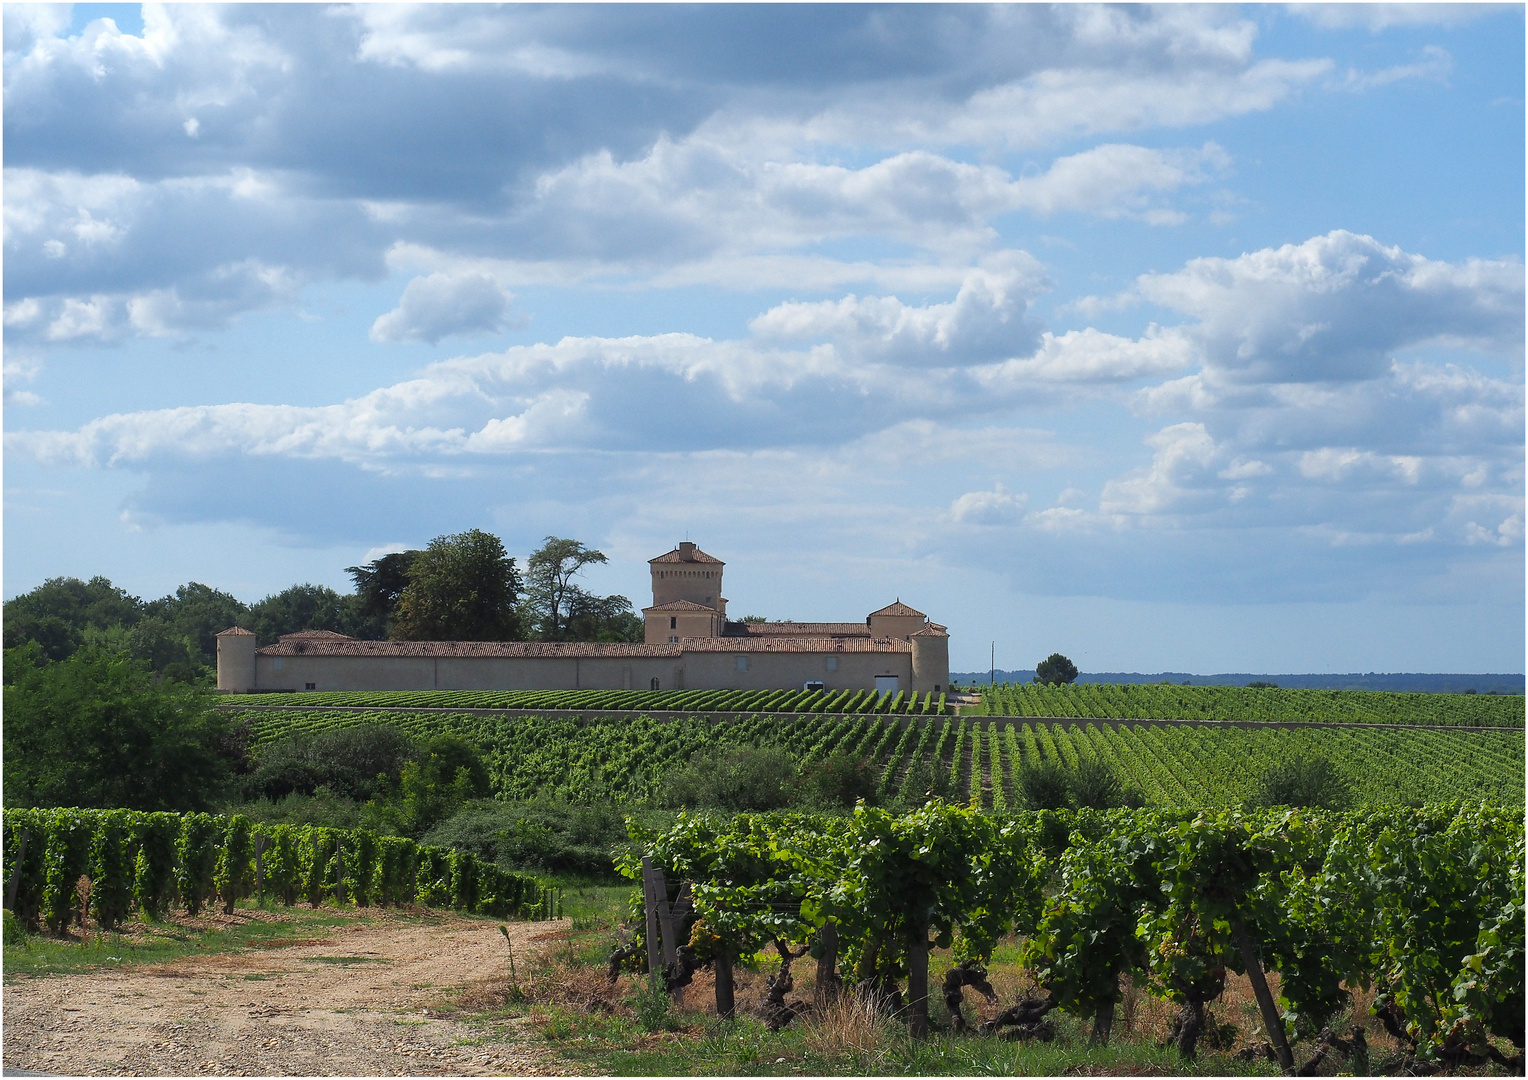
(548, 835)
(841, 779)
(67, 858)
(112, 858)
(1302, 781)
(235, 872)
(197, 853)
(1043, 785)
(733, 778)
(154, 866)
(344, 761)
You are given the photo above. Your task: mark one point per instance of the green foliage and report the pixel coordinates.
(65, 861)
(112, 865)
(234, 876)
(156, 835)
(303, 607)
(1169, 702)
(550, 592)
(1055, 670)
(842, 779)
(546, 835)
(379, 585)
(1088, 785)
(350, 762)
(733, 778)
(196, 853)
(63, 613)
(463, 587)
(1303, 781)
(96, 730)
(131, 859)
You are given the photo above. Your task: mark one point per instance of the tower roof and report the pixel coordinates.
(899, 609)
(236, 631)
(687, 553)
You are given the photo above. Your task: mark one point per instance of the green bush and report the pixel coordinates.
(96, 730)
(547, 835)
(1303, 781)
(235, 873)
(33, 871)
(733, 778)
(345, 761)
(280, 863)
(841, 779)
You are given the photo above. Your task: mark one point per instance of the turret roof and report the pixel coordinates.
(901, 609)
(697, 556)
(236, 631)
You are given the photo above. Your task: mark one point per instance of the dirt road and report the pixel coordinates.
(356, 1000)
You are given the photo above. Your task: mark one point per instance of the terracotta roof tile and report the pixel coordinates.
(487, 649)
(899, 608)
(236, 631)
(786, 644)
(681, 605)
(931, 630)
(315, 635)
(798, 629)
(698, 557)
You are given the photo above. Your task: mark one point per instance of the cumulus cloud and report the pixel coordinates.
(446, 305)
(984, 322)
(1337, 306)
(994, 507)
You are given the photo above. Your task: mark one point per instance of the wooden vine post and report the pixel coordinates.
(1273, 1023)
(259, 868)
(653, 886)
(917, 983)
(22, 836)
(339, 871)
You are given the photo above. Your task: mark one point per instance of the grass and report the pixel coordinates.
(139, 941)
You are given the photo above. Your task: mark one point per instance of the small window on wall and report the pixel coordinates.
(310, 686)
(654, 684)
(742, 663)
(673, 622)
(832, 663)
(673, 639)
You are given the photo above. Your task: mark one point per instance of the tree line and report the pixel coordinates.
(463, 587)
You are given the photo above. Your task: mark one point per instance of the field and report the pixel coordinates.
(1124, 702)
(1172, 765)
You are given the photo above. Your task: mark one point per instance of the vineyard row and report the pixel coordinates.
(625, 759)
(150, 862)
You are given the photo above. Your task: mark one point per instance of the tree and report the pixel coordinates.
(1055, 670)
(379, 586)
(549, 583)
(298, 607)
(61, 612)
(463, 587)
(602, 618)
(97, 730)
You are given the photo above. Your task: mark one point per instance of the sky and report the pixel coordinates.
(1179, 338)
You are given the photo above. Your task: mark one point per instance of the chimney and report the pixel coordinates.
(687, 551)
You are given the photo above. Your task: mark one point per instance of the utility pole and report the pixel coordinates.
(992, 663)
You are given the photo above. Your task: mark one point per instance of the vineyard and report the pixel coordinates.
(1424, 905)
(1089, 701)
(624, 759)
(149, 862)
(1167, 702)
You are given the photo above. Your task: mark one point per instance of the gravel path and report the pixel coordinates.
(357, 1001)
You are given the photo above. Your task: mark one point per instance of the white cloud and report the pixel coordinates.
(1435, 66)
(1180, 468)
(1091, 356)
(1336, 306)
(444, 305)
(996, 507)
(1376, 17)
(984, 322)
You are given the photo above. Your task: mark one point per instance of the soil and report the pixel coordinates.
(362, 999)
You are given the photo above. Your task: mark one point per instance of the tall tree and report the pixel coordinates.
(99, 730)
(549, 580)
(299, 607)
(61, 613)
(463, 587)
(379, 586)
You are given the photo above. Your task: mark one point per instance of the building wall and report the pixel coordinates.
(660, 627)
(699, 583)
(691, 671)
(895, 626)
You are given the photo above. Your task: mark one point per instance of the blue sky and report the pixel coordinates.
(1169, 338)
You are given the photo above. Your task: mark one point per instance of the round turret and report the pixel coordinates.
(236, 661)
(931, 659)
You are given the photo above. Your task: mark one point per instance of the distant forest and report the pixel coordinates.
(461, 587)
(1399, 682)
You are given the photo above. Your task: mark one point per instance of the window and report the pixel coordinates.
(742, 663)
(310, 686)
(938, 689)
(885, 684)
(673, 639)
(276, 664)
(673, 622)
(654, 684)
(832, 663)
